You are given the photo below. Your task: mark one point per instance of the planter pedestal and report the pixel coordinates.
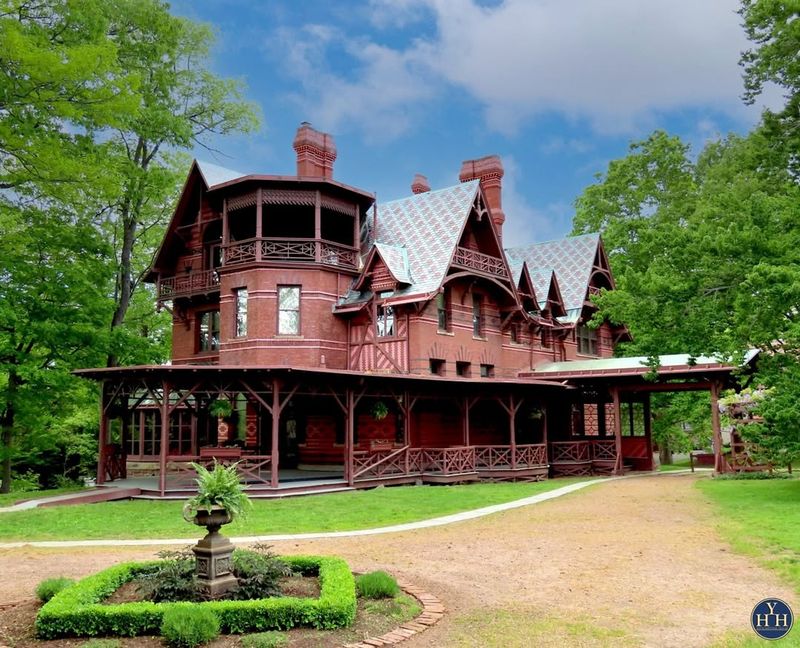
(213, 555)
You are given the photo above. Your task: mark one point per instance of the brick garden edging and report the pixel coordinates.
(432, 611)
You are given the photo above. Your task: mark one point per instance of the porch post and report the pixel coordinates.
(276, 422)
(259, 203)
(648, 430)
(466, 420)
(512, 431)
(719, 461)
(317, 227)
(349, 438)
(102, 438)
(225, 232)
(617, 431)
(162, 457)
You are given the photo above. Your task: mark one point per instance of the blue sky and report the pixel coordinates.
(557, 88)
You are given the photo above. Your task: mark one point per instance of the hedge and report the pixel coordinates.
(78, 610)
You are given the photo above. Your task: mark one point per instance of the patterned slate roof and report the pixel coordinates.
(396, 259)
(572, 260)
(214, 174)
(427, 226)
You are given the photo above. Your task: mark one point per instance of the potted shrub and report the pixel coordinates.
(220, 496)
(379, 410)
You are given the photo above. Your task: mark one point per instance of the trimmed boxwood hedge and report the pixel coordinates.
(78, 611)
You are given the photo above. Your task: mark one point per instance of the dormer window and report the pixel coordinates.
(443, 310)
(384, 321)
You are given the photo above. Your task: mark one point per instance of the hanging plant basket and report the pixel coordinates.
(221, 408)
(379, 411)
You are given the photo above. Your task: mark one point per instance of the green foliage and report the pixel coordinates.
(258, 572)
(265, 640)
(221, 407)
(49, 587)
(189, 626)
(170, 579)
(78, 610)
(218, 487)
(377, 584)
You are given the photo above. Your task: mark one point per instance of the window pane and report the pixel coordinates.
(241, 312)
(289, 322)
(289, 298)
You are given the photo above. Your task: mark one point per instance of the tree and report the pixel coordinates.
(180, 104)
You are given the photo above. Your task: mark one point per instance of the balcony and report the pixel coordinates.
(479, 262)
(188, 285)
(291, 250)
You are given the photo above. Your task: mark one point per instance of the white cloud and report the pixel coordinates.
(618, 64)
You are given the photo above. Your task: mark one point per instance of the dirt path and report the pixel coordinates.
(633, 562)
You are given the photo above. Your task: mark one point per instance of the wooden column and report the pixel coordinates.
(102, 439)
(465, 436)
(512, 431)
(317, 227)
(276, 423)
(617, 430)
(162, 457)
(349, 438)
(716, 432)
(648, 429)
(259, 227)
(225, 232)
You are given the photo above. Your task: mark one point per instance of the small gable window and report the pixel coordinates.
(384, 321)
(443, 309)
(487, 371)
(463, 369)
(587, 340)
(477, 315)
(437, 366)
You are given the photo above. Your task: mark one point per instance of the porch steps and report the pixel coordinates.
(255, 493)
(91, 497)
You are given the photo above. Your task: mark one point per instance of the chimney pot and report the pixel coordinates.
(316, 152)
(489, 170)
(420, 184)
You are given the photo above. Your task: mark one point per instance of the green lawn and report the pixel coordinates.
(9, 499)
(761, 518)
(333, 512)
(678, 465)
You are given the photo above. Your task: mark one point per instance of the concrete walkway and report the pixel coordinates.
(409, 526)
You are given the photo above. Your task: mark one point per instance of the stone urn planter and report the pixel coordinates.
(219, 500)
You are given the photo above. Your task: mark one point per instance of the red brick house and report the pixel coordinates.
(361, 343)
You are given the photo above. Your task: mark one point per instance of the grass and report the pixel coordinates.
(316, 513)
(510, 628)
(761, 518)
(751, 640)
(678, 465)
(9, 499)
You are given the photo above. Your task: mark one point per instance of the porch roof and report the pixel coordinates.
(188, 371)
(670, 365)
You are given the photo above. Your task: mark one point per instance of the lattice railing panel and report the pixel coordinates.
(474, 260)
(380, 463)
(189, 284)
(288, 250)
(531, 455)
(570, 451)
(493, 457)
(241, 252)
(604, 450)
(338, 255)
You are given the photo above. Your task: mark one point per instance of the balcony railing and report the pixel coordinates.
(291, 249)
(194, 283)
(474, 260)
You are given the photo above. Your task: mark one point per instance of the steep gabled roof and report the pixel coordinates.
(427, 226)
(214, 174)
(571, 258)
(396, 260)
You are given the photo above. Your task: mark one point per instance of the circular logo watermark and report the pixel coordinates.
(772, 619)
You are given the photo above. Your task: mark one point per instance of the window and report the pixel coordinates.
(209, 331)
(487, 371)
(180, 432)
(240, 295)
(443, 310)
(587, 340)
(545, 339)
(477, 315)
(463, 369)
(384, 321)
(437, 366)
(288, 310)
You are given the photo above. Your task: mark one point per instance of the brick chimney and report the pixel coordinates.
(489, 170)
(420, 184)
(316, 152)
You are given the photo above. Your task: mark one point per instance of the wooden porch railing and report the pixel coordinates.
(186, 285)
(570, 451)
(252, 469)
(380, 463)
(604, 450)
(474, 260)
(500, 457)
(291, 249)
(443, 461)
(530, 456)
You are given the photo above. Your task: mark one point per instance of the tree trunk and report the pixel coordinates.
(664, 453)
(7, 434)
